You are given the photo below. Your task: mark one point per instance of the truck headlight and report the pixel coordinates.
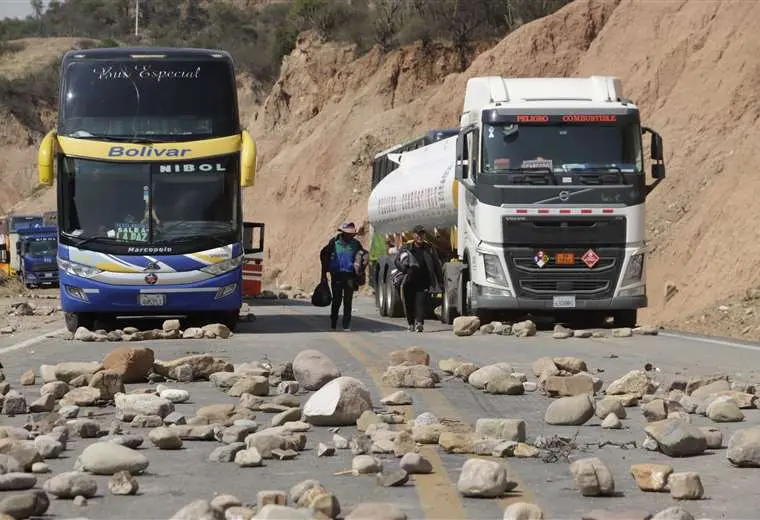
(634, 270)
(223, 267)
(494, 272)
(75, 269)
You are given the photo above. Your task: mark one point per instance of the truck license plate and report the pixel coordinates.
(152, 300)
(564, 259)
(564, 302)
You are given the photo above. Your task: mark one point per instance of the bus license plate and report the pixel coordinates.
(564, 302)
(152, 300)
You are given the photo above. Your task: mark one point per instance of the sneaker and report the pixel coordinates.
(418, 327)
(411, 327)
(347, 329)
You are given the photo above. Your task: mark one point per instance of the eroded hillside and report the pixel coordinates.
(689, 64)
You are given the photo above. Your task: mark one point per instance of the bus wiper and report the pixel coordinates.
(523, 170)
(188, 238)
(123, 139)
(88, 240)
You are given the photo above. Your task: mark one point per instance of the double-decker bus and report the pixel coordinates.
(149, 158)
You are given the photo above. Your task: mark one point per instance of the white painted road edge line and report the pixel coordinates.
(723, 342)
(31, 341)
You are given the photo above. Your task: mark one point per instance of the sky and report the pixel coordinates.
(16, 8)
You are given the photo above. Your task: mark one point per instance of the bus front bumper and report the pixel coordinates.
(220, 293)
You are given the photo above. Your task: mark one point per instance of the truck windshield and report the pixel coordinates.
(150, 203)
(177, 99)
(561, 147)
(42, 247)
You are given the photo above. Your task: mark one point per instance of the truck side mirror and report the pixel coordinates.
(46, 159)
(247, 160)
(656, 147)
(657, 155)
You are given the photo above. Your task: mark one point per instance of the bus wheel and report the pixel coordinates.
(229, 319)
(74, 320)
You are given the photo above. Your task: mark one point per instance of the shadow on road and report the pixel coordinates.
(285, 323)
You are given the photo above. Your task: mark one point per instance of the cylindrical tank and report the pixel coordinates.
(419, 192)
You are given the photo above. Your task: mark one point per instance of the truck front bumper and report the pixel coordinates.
(220, 293)
(41, 277)
(507, 301)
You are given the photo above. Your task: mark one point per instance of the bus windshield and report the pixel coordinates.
(150, 98)
(150, 203)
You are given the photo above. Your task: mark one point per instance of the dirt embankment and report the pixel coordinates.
(689, 64)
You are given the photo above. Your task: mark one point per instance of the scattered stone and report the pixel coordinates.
(254, 385)
(313, 369)
(269, 497)
(612, 422)
(46, 403)
(610, 405)
(108, 383)
(393, 478)
(68, 371)
(288, 387)
(17, 481)
(523, 511)
(226, 453)
(622, 332)
(409, 376)
(576, 384)
(593, 477)
(713, 436)
(466, 325)
(482, 478)
(677, 438)
(48, 447)
(655, 410)
(673, 513)
(280, 454)
(399, 398)
(27, 378)
(502, 429)
(323, 450)
(224, 502)
(165, 438)
(55, 388)
(338, 403)
(524, 329)
(340, 442)
(81, 396)
(490, 373)
(40, 468)
(685, 486)
(635, 382)
(199, 367)
(123, 483)
(411, 355)
(376, 511)
(24, 505)
(175, 395)
(744, 447)
(414, 463)
(366, 464)
(107, 458)
(14, 403)
(147, 421)
(71, 484)
(130, 405)
(721, 411)
(651, 477)
(248, 458)
(198, 510)
(570, 411)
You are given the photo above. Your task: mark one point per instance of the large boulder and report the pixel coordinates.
(313, 369)
(132, 363)
(338, 403)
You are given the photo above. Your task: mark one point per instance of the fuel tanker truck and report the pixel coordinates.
(535, 203)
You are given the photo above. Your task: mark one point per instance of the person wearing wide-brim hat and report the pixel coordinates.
(339, 258)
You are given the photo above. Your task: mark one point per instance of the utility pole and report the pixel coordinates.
(137, 17)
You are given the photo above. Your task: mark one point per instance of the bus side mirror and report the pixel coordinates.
(247, 160)
(45, 159)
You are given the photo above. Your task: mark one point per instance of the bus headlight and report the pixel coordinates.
(223, 267)
(75, 269)
(634, 270)
(494, 272)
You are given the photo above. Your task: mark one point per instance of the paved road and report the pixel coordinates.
(281, 330)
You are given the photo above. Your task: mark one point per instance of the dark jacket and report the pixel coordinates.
(425, 271)
(341, 258)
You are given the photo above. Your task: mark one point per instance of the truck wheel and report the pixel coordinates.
(382, 297)
(74, 320)
(448, 308)
(395, 308)
(626, 318)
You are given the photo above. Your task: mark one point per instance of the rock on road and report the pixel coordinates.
(566, 479)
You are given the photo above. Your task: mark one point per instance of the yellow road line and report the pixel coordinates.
(436, 493)
(437, 404)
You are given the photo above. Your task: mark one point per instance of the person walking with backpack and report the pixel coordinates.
(339, 258)
(423, 274)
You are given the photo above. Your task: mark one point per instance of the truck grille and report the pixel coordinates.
(531, 281)
(44, 268)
